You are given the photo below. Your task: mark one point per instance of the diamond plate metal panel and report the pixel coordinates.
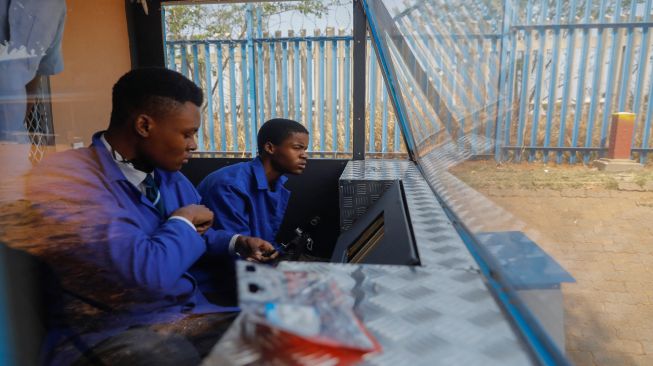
(477, 211)
(361, 184)
(420, 315)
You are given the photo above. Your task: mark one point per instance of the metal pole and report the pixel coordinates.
(360, 45)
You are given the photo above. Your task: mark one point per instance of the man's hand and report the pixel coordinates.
(199, 215)
(255, 249)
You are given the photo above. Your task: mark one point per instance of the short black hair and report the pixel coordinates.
(152, 90)
(277, 130)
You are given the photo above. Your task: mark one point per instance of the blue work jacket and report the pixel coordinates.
(119, 261)
(241, 199)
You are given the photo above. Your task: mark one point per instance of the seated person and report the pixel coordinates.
(121, 228)
(249, 198)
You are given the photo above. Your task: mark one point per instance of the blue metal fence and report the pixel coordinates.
(597, 60)
(539, 84)
(307, 78)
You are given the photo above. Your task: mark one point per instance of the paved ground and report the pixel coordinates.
(600, 228)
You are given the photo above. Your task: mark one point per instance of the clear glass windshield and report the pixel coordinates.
(499, 102)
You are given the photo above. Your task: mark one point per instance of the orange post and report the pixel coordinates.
(621, 134)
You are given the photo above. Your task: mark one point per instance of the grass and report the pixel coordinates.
(487, 174)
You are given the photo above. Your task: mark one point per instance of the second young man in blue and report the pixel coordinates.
(250, 198)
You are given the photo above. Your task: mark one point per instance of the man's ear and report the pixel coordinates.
(269, 148)
(143, 125)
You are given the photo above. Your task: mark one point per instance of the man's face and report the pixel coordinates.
(289, 156)
(171, 138)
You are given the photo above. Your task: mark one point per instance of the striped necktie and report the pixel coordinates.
(153, 194)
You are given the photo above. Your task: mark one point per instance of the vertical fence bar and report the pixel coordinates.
(580, 91)
(625, 71)
(171, 57)
(647, 123)
(232, 97)
(569, 67)
(396, 142)
(492, 98)
(252, 77)
(243, 74)
(372, 89)
(209, 96)
(523, 102)
(260, 76)
(451, 80)
(284, 77)
(553, 78)
(296, 78)
(320, 95)
(538, 82)
(454, 100)
(334, 95)
(273, 79)
(607, 103)
(196, 68)
(642, 63)
(512, 67)
(184, 61)
(596, 80)
(346, 94)
(223, 130)
(384, 131)
(309, 92)
(198, 82)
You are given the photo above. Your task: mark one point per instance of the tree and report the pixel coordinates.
(201, 22)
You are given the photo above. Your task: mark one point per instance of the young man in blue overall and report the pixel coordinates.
(250, 197)
(121, 228)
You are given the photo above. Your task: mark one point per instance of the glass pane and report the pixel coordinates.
(504, 105)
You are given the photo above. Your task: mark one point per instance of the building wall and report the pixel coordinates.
(96, 54)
